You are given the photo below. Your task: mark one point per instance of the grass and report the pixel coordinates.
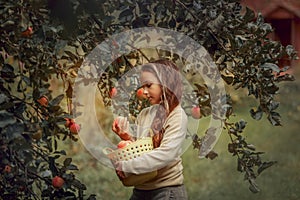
(218, 179)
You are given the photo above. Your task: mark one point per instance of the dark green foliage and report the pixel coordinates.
(236, 40)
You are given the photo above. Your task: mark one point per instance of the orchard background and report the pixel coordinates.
(43, 43)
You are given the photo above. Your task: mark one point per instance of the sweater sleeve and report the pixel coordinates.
(169, 150)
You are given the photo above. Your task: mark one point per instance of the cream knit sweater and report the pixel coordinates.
(166, 158)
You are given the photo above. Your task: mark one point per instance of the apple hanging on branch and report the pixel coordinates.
(196, 112)
(140, 94)
(43, 101)
(73, 127)
(57, 182)
(113, 92)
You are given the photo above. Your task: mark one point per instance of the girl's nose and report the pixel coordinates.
(145, 91)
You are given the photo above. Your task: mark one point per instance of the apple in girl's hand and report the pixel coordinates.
(123, 143)
(140, 94)
(196, 114)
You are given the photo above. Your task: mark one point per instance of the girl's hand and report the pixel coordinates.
(120, 174)
(119, 171)
(121, 127)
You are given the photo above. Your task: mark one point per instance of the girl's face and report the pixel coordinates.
(151, 86)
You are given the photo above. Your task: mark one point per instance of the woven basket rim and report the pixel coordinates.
(137, 142)
(132, 146)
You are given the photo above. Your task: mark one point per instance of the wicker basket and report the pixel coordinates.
(131, 151)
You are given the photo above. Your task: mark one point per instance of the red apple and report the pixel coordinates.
(140, 94)
(69, 122)
(58, 182)
(7, 169)
(28, 32)
(74, 128)
(196, 114)
(43, 101)
(113, 92)
(123, 143)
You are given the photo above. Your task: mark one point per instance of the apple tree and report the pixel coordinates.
(45, 40)
(33, 166)
(237, 39)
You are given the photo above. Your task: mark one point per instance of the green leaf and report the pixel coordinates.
(172, 23)
(55, 145)
(71, 55)
(249, 15)
(217, 23)
(231, 148)
(7, 23)
(126, 15)
(6, 105)
(67, 162)
(240, 125)
(8, 71)
(285, 77)
(275, 118)
(211, 155)
(6, 118)
(240, 166)
(46, 173)
(251, 147)
(228, 79)
(26, 80)
(291, 52)
(257, 115)
(63, 152)
(57, 100)
(271, 66)
(78, 184)
(72, 167)
(273, 105)
(52, 166)
(69, 195)
(14, 131)
(253, 186)
(92, 197)
(265, 165)
(3, 98)
(205, 110)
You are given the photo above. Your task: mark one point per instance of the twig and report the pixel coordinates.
(199, 20)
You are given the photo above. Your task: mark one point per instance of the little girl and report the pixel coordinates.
(163, 88)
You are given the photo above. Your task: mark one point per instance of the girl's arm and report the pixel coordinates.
(168, 151)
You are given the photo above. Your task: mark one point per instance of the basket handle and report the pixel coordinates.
(107, 150)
